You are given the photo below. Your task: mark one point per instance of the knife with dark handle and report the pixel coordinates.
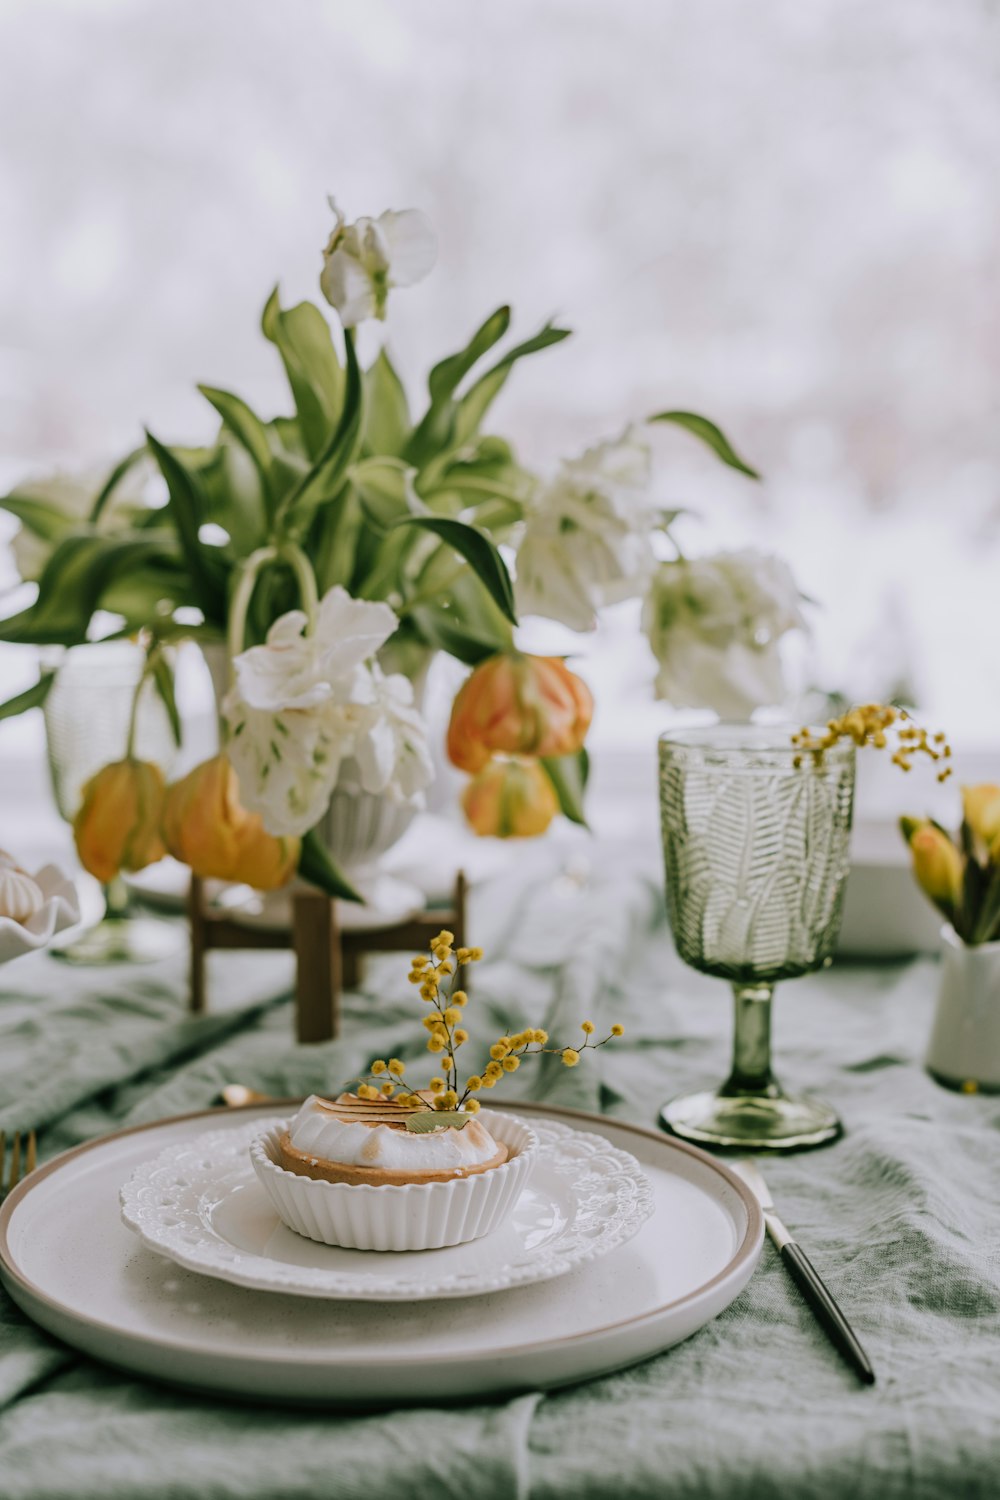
(806, 1277)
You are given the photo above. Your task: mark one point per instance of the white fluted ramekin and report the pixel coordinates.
(418, 1216)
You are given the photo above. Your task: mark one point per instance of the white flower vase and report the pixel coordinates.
(964, 1051)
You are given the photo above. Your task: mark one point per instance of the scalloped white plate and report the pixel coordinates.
(200, 1204)
(70, 1264)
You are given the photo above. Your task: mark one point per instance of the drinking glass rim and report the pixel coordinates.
(773, 740)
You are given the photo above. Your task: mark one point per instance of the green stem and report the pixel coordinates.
(286, 552)
(133, 720)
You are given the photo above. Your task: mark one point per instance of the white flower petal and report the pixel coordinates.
(411, 243)
(347, 286)
(350, 631)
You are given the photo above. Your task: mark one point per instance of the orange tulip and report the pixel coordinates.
(118, 824)
(510, 799)
(518, 705)
(207, 827)
(937, 863)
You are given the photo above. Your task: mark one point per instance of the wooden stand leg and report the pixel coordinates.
(318, 985)
(196, 916)
(352, 966)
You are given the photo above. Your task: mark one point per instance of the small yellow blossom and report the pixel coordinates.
(511, 1064)
(445, 939)
(444, 968)
(437, 1085)
(489, 1080)
(388, 1089)
(448, 1062)
(570, 1057)
(428, 991)
(450, 1098)
(416, 977)
(451, 1015)
(377, 1067)
(459, 998)
(475, 954)
(474, 1083)
(460, 1036)
(471, 1106)
(365, 1091)
(420, 961)
(396, 1068)
(430, 1022)
(493, 1071)
(462, 955)
(587, 1027)
(539, 1036)
(617, 1029)
(435, 1044)
(499, 1050)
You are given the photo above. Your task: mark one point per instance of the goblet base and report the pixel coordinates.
(766, 1122)
(115, 940)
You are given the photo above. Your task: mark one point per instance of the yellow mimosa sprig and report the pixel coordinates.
(437, 973)
(882, 726)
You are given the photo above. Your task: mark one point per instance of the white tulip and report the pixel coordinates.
(714, 624)
(588, 535)
(363, 260)
(303, 705)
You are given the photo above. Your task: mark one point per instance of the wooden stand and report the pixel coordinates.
(328, 959)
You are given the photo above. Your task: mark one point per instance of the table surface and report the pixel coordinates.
(901, 1216)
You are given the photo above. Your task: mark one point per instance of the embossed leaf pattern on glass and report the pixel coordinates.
(756, 854)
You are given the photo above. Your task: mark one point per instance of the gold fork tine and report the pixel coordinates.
(15, 1163)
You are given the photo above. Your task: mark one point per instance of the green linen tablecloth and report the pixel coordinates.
(901, 1216)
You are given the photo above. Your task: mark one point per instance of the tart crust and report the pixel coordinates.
(306, 1165)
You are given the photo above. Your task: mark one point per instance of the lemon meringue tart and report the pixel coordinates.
(368, 1142)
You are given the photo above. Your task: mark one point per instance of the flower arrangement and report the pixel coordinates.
(438, 975)
(336, 548)
(961, 873)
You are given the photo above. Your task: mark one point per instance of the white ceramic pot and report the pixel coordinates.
(964, 1049)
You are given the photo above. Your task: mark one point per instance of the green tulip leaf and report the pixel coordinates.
(248, 430)
(387, 425)
(302, 337)
(32, 697)
(188, 510)
(479, 552)
(448, 375)
(323, 482)
(568, 775)
(318, 867)
(708, 433)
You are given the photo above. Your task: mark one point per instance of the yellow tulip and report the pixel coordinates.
(206, 827)
(937, 863)
(118, 824)
(510, 799)
(981, 808)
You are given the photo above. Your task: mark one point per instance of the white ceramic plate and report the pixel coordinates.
(199, 1202)
(70, 1263)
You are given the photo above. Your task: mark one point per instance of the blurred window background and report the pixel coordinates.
(782, 215)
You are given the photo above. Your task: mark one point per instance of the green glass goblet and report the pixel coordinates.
(755, 844)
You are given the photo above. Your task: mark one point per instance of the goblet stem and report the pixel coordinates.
(751, 1071)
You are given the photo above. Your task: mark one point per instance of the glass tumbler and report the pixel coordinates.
(755, 844)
